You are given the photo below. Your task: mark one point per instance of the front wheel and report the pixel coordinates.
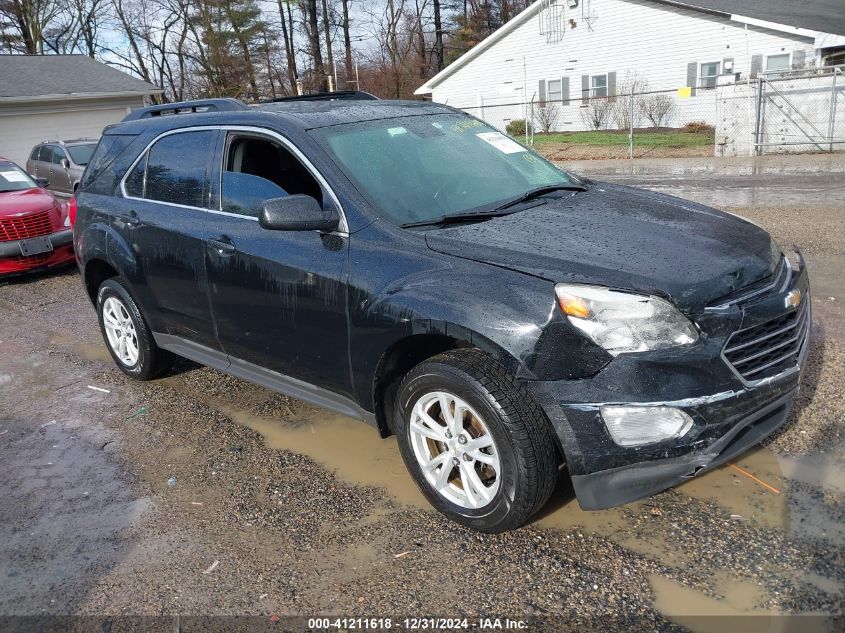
(475, 442)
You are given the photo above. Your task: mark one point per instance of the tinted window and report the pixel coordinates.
(46, 153)
(177, 168)
(34, 155)
(135, 180)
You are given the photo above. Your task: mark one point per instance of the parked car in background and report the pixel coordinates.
(35, 228)
(405, 263)
(61, 163)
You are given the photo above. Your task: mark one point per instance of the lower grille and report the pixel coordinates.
(25, 226)
(767, 349)
(31, 260)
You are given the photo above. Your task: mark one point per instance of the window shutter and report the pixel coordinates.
(541, 91)
(799, 57)
(692, 76)
(611, 84)
(564, 90)
(756, 65)
(585, 89)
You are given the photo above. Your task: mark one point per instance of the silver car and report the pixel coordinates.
(61, 163)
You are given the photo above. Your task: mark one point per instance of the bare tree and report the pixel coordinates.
(658, 108)
(632, 84)
(546, 115)
(347, 42)
(27, 20)
(596, 113)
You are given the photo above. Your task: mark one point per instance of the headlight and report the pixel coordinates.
(621, 322)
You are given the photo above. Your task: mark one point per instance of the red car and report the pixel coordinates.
(35, 231)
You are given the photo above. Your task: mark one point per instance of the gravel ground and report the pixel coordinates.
(307, 513)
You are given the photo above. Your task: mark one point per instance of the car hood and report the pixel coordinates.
(27, 201)
(624, 238)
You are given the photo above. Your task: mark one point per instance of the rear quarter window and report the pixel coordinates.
(98, 174)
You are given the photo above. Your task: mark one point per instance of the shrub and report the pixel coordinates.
(516, 127)
(697, 127)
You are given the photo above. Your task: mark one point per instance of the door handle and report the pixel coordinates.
(129, 219)
(222, 246)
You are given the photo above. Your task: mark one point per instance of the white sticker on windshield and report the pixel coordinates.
(501, 142)
(13, 176)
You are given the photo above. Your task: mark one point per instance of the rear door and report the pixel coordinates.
(278, 297)
(164, 213)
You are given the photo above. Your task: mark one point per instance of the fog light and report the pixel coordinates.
(634, 426)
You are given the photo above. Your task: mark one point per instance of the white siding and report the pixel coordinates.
(652, 40)
(23, 126)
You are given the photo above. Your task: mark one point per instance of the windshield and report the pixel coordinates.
(13, 178)
(81, 154)
(419, 168)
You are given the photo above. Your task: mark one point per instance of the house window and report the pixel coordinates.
(554, 90)
(598, 86)
(707, 74)
(778, 62)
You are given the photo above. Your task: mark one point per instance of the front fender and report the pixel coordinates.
(407, 290)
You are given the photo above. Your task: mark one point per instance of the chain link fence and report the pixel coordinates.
(793, 111)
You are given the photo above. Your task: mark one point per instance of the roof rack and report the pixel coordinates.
(340, 95)
(186, 107)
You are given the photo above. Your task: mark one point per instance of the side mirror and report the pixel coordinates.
(297, 213)
(42, 182)
(65, 163)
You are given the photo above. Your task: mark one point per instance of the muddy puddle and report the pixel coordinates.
(88, 351)
(737, 600)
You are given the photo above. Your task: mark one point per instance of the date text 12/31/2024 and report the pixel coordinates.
(415, 624)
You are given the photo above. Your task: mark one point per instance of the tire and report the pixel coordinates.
(520, 442)
(148, 361)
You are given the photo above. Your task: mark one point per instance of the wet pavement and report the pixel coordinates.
(120, 497)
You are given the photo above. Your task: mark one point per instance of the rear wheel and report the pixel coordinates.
(128, 339)
(475, 442)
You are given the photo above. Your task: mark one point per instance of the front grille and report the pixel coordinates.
(25, 226)
(31, 260)
(757, 290)
(769, 348)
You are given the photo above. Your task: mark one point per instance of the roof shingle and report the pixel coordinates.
(38, 75)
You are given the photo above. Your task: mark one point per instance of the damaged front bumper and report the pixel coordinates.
(730, 413)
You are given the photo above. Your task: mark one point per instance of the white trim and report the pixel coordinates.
(343, 226)
(593, 88)
(80, 95)
(559, 91)
(715, 77)
(778, 54)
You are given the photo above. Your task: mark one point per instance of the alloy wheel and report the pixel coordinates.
(455, 449)
(120, 331)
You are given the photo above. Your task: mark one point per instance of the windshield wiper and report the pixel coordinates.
(537, 193)
(459, 217)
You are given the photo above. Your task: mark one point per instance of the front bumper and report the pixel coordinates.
(730, 415)
(13, 262)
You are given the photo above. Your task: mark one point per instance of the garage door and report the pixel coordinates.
(19, 133)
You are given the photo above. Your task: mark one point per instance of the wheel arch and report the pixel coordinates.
(424, 341)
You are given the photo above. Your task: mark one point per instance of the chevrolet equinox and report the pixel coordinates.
(407, 264)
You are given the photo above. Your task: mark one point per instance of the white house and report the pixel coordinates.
(569, 51)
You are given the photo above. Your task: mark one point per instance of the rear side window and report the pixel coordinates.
(35, 152)
(175, 169)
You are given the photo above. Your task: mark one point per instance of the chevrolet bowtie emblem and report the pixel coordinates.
(793, 299)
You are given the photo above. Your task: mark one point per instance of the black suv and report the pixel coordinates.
(407, 264)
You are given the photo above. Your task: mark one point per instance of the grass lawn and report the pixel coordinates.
(647, 137)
